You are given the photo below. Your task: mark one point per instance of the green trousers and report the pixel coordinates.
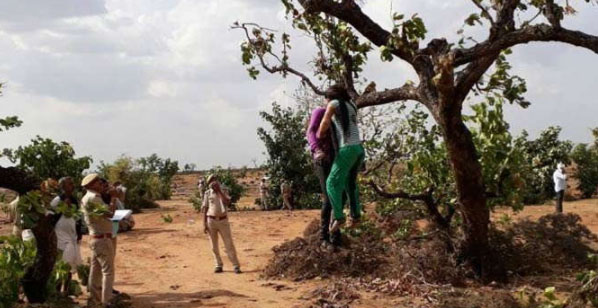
(343, 178)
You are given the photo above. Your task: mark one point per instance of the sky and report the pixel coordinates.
(137, 77)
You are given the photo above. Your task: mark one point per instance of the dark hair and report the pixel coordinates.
(338, 92)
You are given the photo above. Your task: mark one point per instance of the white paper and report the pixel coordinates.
(121, 214)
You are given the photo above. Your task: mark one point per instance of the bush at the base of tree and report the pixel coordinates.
(15, 256)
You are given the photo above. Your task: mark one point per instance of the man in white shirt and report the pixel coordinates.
(215, 201)
(560, 184)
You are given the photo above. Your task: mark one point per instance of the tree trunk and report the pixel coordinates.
(36, 277)
(471, 194)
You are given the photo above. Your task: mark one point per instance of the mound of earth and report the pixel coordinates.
(303, 258)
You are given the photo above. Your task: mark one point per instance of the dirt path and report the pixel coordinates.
(171, 265)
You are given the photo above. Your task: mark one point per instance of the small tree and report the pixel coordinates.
(189, 167)
(147, 179)
(231, 181)
(288, 156)
(48, 159)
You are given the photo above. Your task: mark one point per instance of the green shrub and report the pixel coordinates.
(83, 273)
(288, 156)
(543, 154)
(166, 218)
(196, 201)
(15, 257)
(586, 158)
(48, 159)
(147, 179)
(231, 181)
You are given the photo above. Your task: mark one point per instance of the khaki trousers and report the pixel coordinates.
(286, 202)
(101, 272)
(264, 200)
(222, 227)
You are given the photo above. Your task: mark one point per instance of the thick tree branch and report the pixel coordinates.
(426, 197)
(18, 180)
(536, 33)
(404, 93)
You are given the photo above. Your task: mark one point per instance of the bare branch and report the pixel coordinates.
(424, 197)
(427, 197)
(485, 12)
(282, 67)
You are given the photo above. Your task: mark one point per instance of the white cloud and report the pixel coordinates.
(164, 76)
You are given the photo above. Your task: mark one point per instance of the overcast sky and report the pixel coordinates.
(164, 76)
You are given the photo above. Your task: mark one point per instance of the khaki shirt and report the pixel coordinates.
(214, 204)
(96, 225)
(285, 189)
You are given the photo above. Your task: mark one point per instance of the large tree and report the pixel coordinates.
(447, 73)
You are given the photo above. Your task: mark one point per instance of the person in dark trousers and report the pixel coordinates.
(560, 184)
(323, 152)
(341, 113)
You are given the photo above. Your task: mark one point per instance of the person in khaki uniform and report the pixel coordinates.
(216, 222)
(287, 195)
(264, 190)
(101, 273)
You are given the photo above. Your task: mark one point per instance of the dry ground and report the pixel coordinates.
(170, 264)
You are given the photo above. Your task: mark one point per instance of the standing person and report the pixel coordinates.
(264, 189)
(322, 152)
(287, 195)
(121, 191)
(342, 113)
(110, 195)
(128, 222)
(67, 227)
(560, 184)
(214, 207)
(14, 216)
(101, 272)
(201, 187)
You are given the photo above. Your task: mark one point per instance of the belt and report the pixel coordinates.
(217, 218)
(100, 236)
